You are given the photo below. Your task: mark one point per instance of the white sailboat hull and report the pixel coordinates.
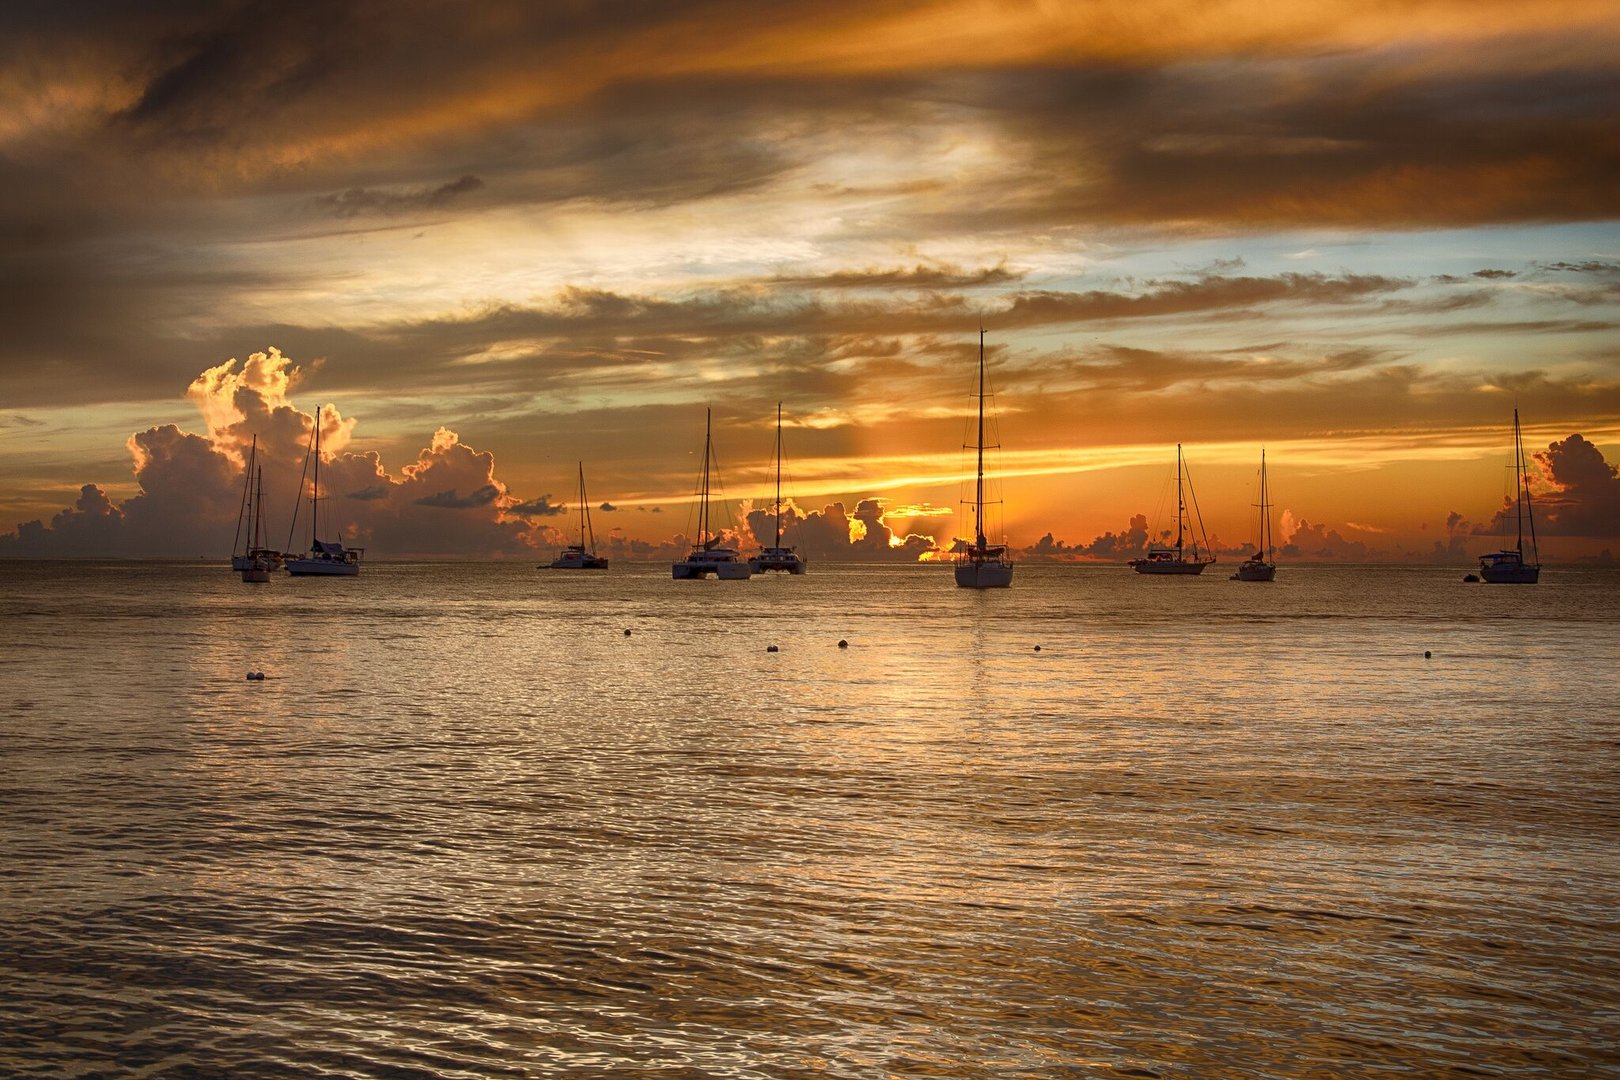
(983, 575)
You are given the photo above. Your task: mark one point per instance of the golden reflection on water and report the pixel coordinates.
(467, 824)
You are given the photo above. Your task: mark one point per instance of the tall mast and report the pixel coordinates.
(1518, 482)
(778, 474)
(581, 504)
(247, 493)
(315, 489)
(703, 512)
(1265, 518)
(1181, 507)
(258, 509)
(978, 491)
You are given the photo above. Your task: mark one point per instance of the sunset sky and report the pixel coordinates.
(499, 238)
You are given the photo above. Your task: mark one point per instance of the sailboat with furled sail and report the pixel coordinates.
(254, 561)
(1262, 565)
(981, 565)
(776, 557)
(708, 555)
(1508, 566)
(581, 556)
(325, 558)
(1182, 557)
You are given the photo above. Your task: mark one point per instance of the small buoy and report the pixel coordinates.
(771, 648)
(842, 644)
(627, 633)
(1037, 648)
(1470, 577)
(1427, 654)
(255, 676)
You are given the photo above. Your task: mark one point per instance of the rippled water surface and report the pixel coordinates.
(466, 826)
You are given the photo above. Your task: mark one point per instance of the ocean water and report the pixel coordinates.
(468, 827)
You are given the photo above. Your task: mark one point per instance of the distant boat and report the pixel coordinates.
(776, 557)
(1507, 567)
(581, 556)
(981, 565)
(254, 561)
(1175, 559)
(707, 556)
(1262, 565)
(325, 559)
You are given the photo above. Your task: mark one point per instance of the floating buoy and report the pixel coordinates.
(1427, 654)
(842, 644)
(772, 648)
(1037, 648)
(627, 633)
(255, 676)
(1470, 577)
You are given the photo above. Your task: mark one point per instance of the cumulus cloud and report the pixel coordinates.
(1585, 495)
(1303, 540)
(448, 501)
(837, 534)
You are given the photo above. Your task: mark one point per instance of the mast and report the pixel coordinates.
(1518, 484)
(703, 512)
(258, 509)
(978, 491)
(582, 504)
(315, 488)
(778, 542)
(1265, 518)
(1524, 488)
(247, 492)
(1181, 506)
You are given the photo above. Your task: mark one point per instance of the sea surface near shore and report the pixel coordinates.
(468, 826)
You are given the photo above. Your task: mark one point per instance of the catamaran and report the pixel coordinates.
(707, 555)
(776, 557)
(1262, 565)
(325, 559)
(254, 561)
(981, 565)
(1182, 558)
(1507, 567)
(581, 556)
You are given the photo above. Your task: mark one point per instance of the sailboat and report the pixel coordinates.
(1507, 567)
(981, 565)
(777, 557)
(707, 556)
(1262, 565)
(1167, 559)
(581, 556)
(255, 560)
(324, 559)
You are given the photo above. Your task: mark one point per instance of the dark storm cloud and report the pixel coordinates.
(1364, 139)
(1585, 500)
